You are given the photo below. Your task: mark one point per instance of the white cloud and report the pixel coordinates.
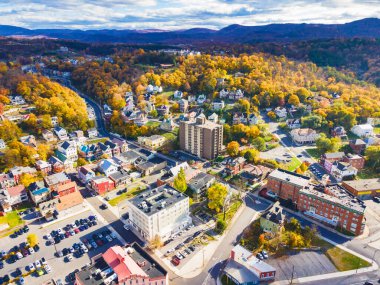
(170, 14)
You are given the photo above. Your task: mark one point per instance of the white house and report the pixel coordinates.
(201, 99)
(340, 170)
(48, 135)
(17, 100)
(107, 167)
(365, 130)
(280, 112)
(293, 123)
(85, 174)
(92, 133)
(54, 121)
(191, 98)
(69, 149)
(149, 107)
(167, 125)
(107, 110)
(61, 133)
(213, 118)
(304, 136)
(153, 142)
(217, 105)
(2, 144)
(178, 94)
(149, 88)
(252, 119)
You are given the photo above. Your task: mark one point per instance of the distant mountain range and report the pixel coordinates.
(369, 27)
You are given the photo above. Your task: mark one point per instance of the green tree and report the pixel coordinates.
(259, 143)
(251, 155)
(220, 226)
(233, 148)
(180, 181)
(154, 113)
(325, 144)
(216, 196)
(81, 161)
(294, 100)
(372, 154)
(313, 122)
(293, 226)
(32, 239)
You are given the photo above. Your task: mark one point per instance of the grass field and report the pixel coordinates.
(293, 164)
(367, 173)
(153, 124)
(170, 136)
(129, 194)
(230, 213)
(342, 260)
(314, 152)
(376, 130)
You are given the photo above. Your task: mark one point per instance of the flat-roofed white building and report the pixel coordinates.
(162, 212)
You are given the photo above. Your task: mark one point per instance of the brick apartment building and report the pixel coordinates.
(331, 205)
(201, 137)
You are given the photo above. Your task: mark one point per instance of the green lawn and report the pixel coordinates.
(170, 136)
(314, 152)
(93, 141)
(153, 124)
(367, 173)
(129, 194)
(342, 260)
(12, 219)
(230, 213)
(376, 130)
(293, 164)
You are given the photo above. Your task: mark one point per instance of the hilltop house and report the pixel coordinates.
(61, 133)
(363, 131)
(304, 136)
(167, 125)
(69, 149)
(92, 133)
(48, 136)
(217, 105)
(213, 118)
(107, 167)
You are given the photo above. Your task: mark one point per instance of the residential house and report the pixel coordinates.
(43, 166)
(191, 98)
(48, 209)
(343, 170)
(167, 125)
(86, 173)
(69, 150)
(200, 183)
(38, 192)
(91, 113)
(55, 180)
(245, 269)
(240, 118)
(252, 174)
(329, 158)
(105, 150)
(56, 164)
(152, 142)
(101, 184)
(90, 152)
(13, 196)
(178, 95)
(61, 133)
(107, 110)
(253, 119)
(137, 117)
(66, 189)
(2, 144)
(339, 132)
(281, 112)
(355, 160)
(17, 100)
(120, 177)
(54, 121)
(130, 105)
(213, 118)
(231, 95)
(121, 143)
(273, 219)
(6, 180)
(152, 165)
(217, 105)
(107, 167)
(48, 136)
(183, 105)
(293, 123)
(92, 133)
(163, 110)
(29, 140)
(363, 131)
(149, 107)
(115, 148)
(234, 164)
(17, 171)
(358, 146)
(304, 136)
(201, 99)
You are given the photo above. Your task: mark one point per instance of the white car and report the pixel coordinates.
(31, 267)
(69, 257)
(60, 231)
(19, 255)
(108, 238)
(48, 236)
(47, 268)
(37, 263)
(31, 250)
(126, 227)
(113, 235)
(85, 249)
(72, 233)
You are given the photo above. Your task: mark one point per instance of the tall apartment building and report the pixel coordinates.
(162, 211)
(201, 137)
(331, 204)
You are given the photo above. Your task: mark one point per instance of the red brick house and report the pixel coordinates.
(101, 184)
(358, 146)
(355, 160)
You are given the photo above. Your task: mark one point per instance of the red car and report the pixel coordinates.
(76, 230)
(67, 234)
(176, 261)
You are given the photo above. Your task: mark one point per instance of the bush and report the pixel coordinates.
(220, 226)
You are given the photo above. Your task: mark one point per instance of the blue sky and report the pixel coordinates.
(179, 14)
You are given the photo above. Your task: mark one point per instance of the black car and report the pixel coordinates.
(25, 229)
(57, 240)
(12, 259)
(197, 234)
(6, 278)
(89, 224)
(103, 206)
(36, 248)
(65, 251)
(376, 199)
(17, 272)
(1, 264)
(77, 223)
(94, 223)
(62, 236)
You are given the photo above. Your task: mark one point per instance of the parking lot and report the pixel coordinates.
(60, 265)
(304, 263)
(318, 171)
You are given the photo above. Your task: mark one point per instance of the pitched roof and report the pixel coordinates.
(16, 190)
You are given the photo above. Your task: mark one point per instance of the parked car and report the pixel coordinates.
(31, 250)
(31, 267)
(43, 261)
(376, 199)
(264, 254)
(176, 261)
(47, 268)
(103, 206)
(259, 256)
(19, 255)
(37, 263)
(36, 248)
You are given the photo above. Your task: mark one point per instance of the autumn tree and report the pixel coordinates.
(216, 196)
(259, 143)
(325, 144)
(233, 148)
(180, 181)
(294, 100)
(9, 131)
(372, 154)
(32, 239)
(155, 243)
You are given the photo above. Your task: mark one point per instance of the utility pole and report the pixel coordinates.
(291, 278)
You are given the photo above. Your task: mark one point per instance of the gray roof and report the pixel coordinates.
(332, 155)
(290, 177)
(56, 178)
(200, 181)
(155, 200)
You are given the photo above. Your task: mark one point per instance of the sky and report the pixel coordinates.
(179, 14)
